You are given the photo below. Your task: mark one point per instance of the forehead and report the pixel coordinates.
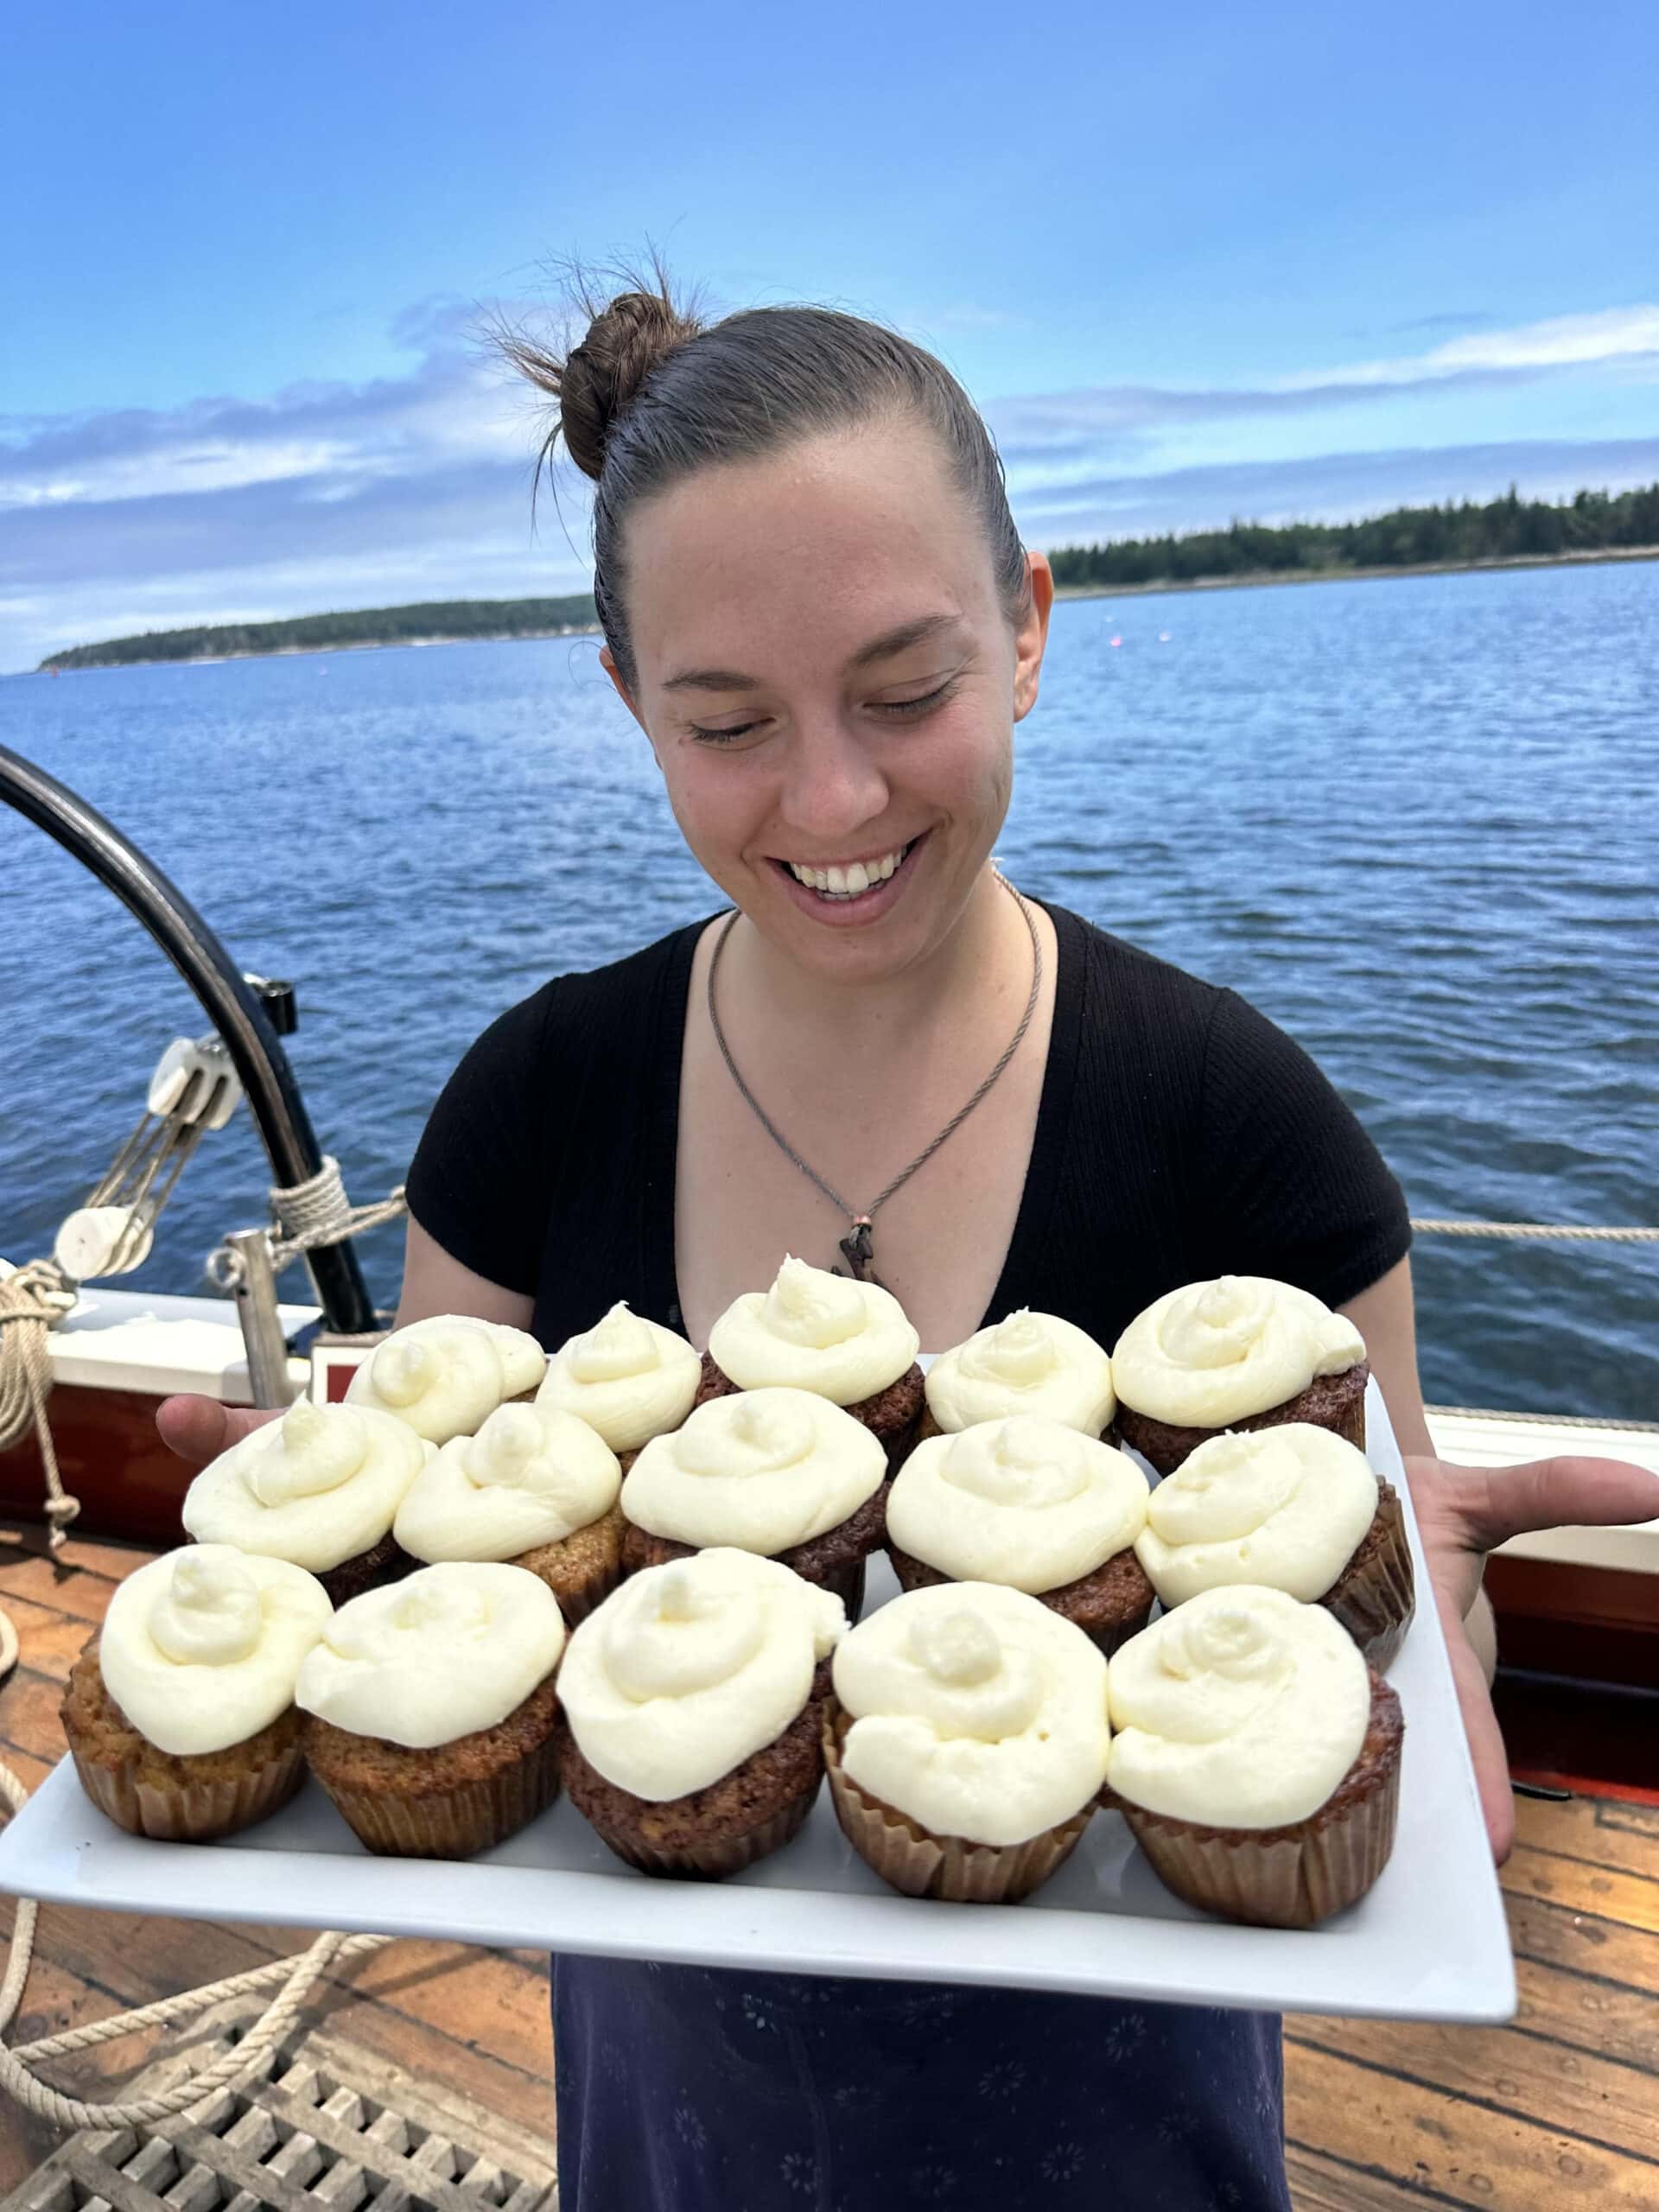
(805, 553)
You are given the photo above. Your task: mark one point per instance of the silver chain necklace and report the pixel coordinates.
(855, 1246)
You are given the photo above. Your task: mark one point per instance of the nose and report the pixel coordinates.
(833, 784)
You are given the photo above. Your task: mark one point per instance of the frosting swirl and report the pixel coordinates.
(1284, 1506)
(199, 1648)
(317, 1487)
(690, 1669)
(442, 1377)
(1215, 1352)
(815, 1331)
(1026, 1363)
(976, 1711)
(1241, 1709)
(1025, 1501)
(762, 1470)
(531, 1476)
(627, 1377)
(448, 1650)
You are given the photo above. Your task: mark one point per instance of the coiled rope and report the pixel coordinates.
(33, 1301)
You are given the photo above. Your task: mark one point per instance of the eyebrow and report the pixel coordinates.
(891, 642)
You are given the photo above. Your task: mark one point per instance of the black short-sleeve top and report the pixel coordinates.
(1180, 1135)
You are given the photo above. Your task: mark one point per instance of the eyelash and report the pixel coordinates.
(899, 710)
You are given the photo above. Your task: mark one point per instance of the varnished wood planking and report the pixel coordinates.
(1603, 2016)
(1319, 2182)
(1602, 1832)
(1559, 1936)
(1609, 1893)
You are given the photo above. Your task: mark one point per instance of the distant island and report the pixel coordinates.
(1592, 526)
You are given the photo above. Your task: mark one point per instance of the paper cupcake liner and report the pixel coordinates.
(721, 1855)
(1282, 1879)
(191, 1812)
(1376, 1604)
(453, 1823)
(918, 1864)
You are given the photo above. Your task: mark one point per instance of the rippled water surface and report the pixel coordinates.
(1415, 822)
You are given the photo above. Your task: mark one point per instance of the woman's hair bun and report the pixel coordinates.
(602, 375)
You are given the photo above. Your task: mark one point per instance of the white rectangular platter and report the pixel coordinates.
(1429, 1942)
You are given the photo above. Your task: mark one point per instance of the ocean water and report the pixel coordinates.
(1416, 822)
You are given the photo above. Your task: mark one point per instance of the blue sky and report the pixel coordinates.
(1271, 261)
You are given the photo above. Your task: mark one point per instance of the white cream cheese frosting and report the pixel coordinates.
(531, 1476)
(815, 1331)
(443, 1377)
(1215, 1352)
(1241, 1709)
(1026, 1363)
(201, 1647)
(762, 1470)
(448, 1650)
(977, 1711)
(318, 1487)
(690, 1669)
(1027, 1502)
(1284, 1506)
(628, 1378)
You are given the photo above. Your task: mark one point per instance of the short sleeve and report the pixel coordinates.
(1290, 1186)
(480, 1182)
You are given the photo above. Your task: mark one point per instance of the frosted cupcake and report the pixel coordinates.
(435, 1717)
(628, 1378)
(444, 1377)
(779, 1472)
(967, 1741)
(1256, 1757)
(1240, 1352)
(846, 1341)
(694, 1698)
(535, 1488)
(1296, 1508)
(179, 1713)
(1034, 1505)
(320, 1488)
(1027, 1364)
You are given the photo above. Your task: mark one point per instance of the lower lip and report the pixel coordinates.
(850, 913)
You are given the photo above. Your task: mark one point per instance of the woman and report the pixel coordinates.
(817, 607)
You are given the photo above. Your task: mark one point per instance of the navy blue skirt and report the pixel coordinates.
(689, 2090)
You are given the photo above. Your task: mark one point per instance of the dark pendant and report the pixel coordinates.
(855, 1250)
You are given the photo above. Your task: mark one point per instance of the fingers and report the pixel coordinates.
(198, 1429)
(1491, 1761)
(1485, 1506)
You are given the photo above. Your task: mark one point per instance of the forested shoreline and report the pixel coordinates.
(450, 621)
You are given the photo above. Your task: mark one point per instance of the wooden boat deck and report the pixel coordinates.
(1561, 2109)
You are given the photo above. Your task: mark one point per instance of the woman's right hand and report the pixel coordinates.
(198, 1429)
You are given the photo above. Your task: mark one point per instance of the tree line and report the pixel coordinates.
(1406, 538)
(451, 619)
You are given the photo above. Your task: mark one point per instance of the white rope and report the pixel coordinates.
(1536, 1228)
(1544, 1420)
(309, 1214)
(33, 1301)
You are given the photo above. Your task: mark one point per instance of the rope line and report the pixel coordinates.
(33, 1301)
(1536, 1229)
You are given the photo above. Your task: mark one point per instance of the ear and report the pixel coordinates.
(607, 662)
(1032, 636)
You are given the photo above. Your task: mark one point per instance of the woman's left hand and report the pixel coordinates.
(1465, 1512)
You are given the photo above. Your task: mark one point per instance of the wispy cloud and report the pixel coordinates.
(1564, 341)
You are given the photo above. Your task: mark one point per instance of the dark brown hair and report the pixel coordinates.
(651, 393)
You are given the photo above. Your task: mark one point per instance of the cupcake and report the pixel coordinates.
(1297, 1508)
(694, 1699)
(434, 1715)
(967, 1741)
(1032, 1504)
(1240, 1352)
(628, 1378)
(320, 1488)
(443, 1377)
(535, 1488)
(1028, 1363)
(779, 1472)
(846, 1341)
(179, 1713)
(1256, 1757)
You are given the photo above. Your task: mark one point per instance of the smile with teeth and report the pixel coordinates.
(848, 882)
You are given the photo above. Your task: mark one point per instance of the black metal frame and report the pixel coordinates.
(230, 1004)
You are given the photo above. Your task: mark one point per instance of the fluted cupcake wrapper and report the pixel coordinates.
(949, 1867)
(193, 1812)
(1376, 1605)
(1278, 1879)
(456, 1823)
(721, 1855)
